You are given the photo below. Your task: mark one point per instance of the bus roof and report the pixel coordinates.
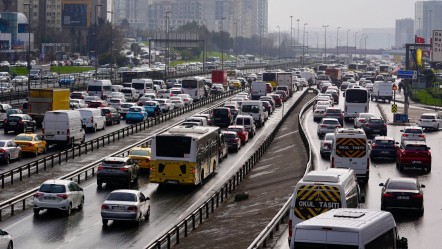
(195, 131)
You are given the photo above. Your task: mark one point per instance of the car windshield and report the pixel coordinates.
(416, 147)
(402, 185)
(329, 137)
(330, 122)
(126, 105)
(135, 109)
(23, 138)
(428, 117)
(376, 121)
(120, 196)
(333, 111)
(234, 129)
(115, 101)
(229, 136)
(150, 104)
(52, 188)
(220, 111)
(413, 131)
(384, 142)
(139, 153)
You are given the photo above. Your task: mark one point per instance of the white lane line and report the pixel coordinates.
(288, 134)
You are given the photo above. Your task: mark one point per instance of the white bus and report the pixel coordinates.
(184, 156)
(194, 86)
(348, 228)
(142, 86)
(356, 101)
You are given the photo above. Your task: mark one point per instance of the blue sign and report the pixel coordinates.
(406, 72)
(405, 76)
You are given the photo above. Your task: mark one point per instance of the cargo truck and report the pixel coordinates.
(258, 89)
(220, 77)
(286, 79)
(335, 75)
(43, 100)
(382, 90)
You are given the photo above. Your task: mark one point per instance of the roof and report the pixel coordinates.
(57, 181)
(117, 159)
(403, 179)
(383, 138)
(414, 142)
(126, 191)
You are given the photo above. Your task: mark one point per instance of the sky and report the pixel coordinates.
(347, 14)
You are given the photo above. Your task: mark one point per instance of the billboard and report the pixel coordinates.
(75, 13)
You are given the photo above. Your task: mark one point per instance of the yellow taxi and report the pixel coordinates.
(235, 84)
(31, 143)
(142, 156)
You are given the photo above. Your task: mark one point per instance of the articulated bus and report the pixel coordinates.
(194, 86)
(184, 155)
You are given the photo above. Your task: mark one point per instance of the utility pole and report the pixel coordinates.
(28, 52)
(356, 46)
(222, 43)
(236, 40)
(303, 44)
(112, 44)
(260, 44)
(279, 42)
(291, 36)
(317, 44)
(337, 42)
(297, 39)
(325, 43)
(167, 44)
(96, 40)
(348, 55)
(205, 46)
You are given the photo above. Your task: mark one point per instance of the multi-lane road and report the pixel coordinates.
(83, 229)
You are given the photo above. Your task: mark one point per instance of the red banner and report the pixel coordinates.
(418, 39)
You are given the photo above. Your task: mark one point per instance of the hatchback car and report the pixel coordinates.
(9, 151)
(402, 194)
(111, 114)
(136, 114)
(327, 125)
(63, 195)
(414, 133)
(360, 119)
(335, 112)
(31, 143)
(233, 140)
(242, 132)
(124, 108)
(98, 103)
(276, 98)
(117, 170)
(326, 145)
(383, 147)
(125, 205)
(375, 126)
(430, 121)
(414, 154)
(319, 112)
(19, 123)
(152, 108)
(6, 240)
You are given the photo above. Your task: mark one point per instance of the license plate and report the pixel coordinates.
(49, 198)
(384, 152)
(417, 162)
(375, 130)
(403, 197)
(118, 207)
(111, 170)
(172, 181)
(12, 123)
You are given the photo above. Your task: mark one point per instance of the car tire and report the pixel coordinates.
(428, 168)
(420, 213)
(80, 206)
(139, 221)
(147, 215)
(99, 184)
(36, 153)
(10, 245)
(401, 167)
(36, 211)
(7, 159)
(104, 222)
(69, 210)
(5, 131)
(94, 129)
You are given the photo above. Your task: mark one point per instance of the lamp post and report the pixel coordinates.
(306, 46)
(167, 44)
(236, 40)
(325, 42)
(348, 55)
(291, 35)
(356, 47)
(112, 43)
(365, 45)
(205, 47)
(260, 44)
(28, 52)
(222, 43)
(96, 40)
(337, 42)
(297, 35)
(317, 43)
(361, 44)
(303, 44)
(279, 42)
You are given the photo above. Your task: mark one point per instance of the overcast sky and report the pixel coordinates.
(348, 14)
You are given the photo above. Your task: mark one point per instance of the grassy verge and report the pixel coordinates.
(425, 97)
(57, 69)
(200, 58)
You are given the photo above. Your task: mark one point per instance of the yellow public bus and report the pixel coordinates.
(184, 155)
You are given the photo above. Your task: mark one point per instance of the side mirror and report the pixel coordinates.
(428, 148)
(397, 143)
(80, 189)
(422, 186)
(381, 184)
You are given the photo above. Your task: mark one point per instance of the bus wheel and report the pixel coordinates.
(201, 178)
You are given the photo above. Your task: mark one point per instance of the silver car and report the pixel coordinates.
(360, 119)
(414, 133)
(125, 205)
(327, 125)
(61, 195)
(9, 151)
(326, 145)
(319, 112)
(6, 240)
(124, 108)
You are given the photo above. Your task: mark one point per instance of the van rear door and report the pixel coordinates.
(351, 153)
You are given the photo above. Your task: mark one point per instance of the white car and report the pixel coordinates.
(80, 102)
(116, 95)
(188, 100)
(430, 121)
(116, 103)
(125, 205)
(360, 119)
(61, 195)
(319, 112)
(178, 103)
(6, 240)
(19, 80)
(327, 125)
(165, 104)
(414, 133)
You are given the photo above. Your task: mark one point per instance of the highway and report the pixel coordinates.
(420, 231)
(170, 204)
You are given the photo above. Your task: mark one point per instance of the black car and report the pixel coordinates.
(222, 117)
(233, 140)
(267, 106)
(19, 123)
(383, 147)
(118, 170)
(111, 114)
(375, 126)
(402, 194)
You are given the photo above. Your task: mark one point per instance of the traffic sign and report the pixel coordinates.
(394, 87)
(394, 108)
(407, 74)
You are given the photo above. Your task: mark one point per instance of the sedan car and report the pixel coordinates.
(327, 125)
(276, 98)
(6, 240)
(360, 119)
(152, 108)
(80, 102)
(241, 131)
(414, 154)
(402, 194)
(19, 80)
(414, 133)
(178, 104)
(19, 123)
(188, 100)
(136, 114)
(89, 99)
(430, 121)
(165, 104)
(326, 145)
(9, 151)
(383, 147)
(375, 126)
(125, 205)
(319, 112)
(124, 108)
(233, 140)
(335, 112)
(66, 80)
(63, 195)
(141, 155)
(31, 143)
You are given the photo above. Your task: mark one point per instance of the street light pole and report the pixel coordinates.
(112, 43)
(236, 41)
(348, 55)
(306, 47)
(260, 44)
(297, 35)
(317, 44)
(167, 44)
(96, 40)
(337, 42)
(365, 49)
(205, 47)
(303, 44)
(291, 36)
(279, 42)
(28, 52)
(222, 43)
(325, 43)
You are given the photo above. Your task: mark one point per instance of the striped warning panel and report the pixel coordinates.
(351, 147)
(312, 200)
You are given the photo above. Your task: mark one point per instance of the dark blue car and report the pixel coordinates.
(383, 147)
(66, 80)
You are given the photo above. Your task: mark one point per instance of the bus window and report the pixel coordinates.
(181, 146)
(356, 96)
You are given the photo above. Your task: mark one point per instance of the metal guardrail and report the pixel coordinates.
(267, 233)
(182, 228)
(83, 173)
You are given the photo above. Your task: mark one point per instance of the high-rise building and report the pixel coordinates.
(404, 32)
(8, 5)
(428, 17)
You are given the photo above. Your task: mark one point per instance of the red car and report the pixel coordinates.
(269, 87)
(98, 103)
(415, 154)
(283, 94)
(277, 99)
(241, 131)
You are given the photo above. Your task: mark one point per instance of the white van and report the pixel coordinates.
(92, 119)
(248, 122)
(350, 150)
(116, 88)
(142, 85)
(201, 120)
(130, 93)
(382, 90)
(63, 127)
(319, 191)
(100, 88)
(255, 109)
(349, 228)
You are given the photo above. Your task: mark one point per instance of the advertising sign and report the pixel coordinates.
(75, 14)
(437, 45)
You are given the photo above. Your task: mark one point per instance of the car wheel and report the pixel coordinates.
(69, 210)
(80, 206)
(104, 126)
(36, 211)
(99, 184)
(36, 152)
(139, 221)
(5, 131)
(147, 215)
(428, 168)
(420, 212)
(401, 167)
(94, 129)
(10, 245)
(7, 159)
(104, 222)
